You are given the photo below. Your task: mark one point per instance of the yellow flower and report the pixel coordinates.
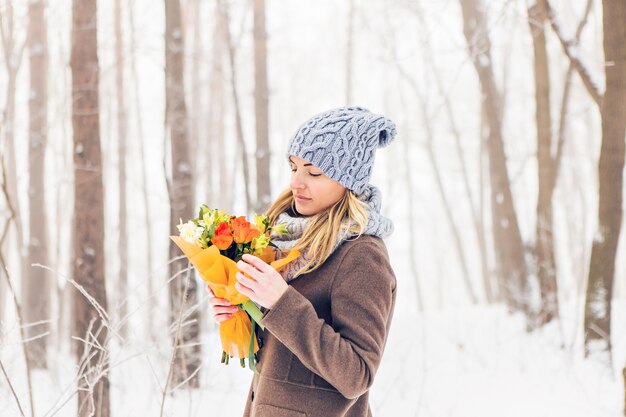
(281, 228)
(208, 218)
(261, 222)
(259, 243)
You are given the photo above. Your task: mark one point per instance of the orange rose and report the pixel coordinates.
(223, 236)
(244, 231)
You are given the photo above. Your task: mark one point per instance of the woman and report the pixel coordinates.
(327, 315)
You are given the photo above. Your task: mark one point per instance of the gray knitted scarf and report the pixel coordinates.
(377, 225)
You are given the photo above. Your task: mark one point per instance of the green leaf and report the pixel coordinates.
(253, 311)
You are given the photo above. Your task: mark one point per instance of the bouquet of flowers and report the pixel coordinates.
(213, 242)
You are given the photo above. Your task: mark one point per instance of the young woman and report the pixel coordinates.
(327, 315)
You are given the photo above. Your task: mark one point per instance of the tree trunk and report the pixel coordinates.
(221, 189)
(509, 248)
(122, 289)
(624, 382)
(610, 176)
(181, 192)
(261, 109)
(13, 59)
(238, 123)
(349, 52)
(454, 230)
(37, 281)
(476, 213)
(88, 270)
(152, 333)
(544, 242)
(200, 175)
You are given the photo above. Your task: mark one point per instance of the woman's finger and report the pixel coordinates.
(243, 280)
(222, 317)
(216, 301)
(257, 262)
(248, 292)
(225, 310)
(249, 269)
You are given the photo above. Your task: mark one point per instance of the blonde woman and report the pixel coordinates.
(327, 315)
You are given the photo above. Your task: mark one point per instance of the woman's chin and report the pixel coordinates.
(304, 211)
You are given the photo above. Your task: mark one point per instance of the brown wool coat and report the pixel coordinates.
(324, 338)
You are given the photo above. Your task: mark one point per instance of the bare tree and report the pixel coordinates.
(194, 25)
(349, 52)
(476, 212)
(142, 162)
(241, 143)
(624, 379)
(261, 109)
(221, 189)
(122, 289)
(36, 285)
(544, 240)
(548, 163)
(181, 192)
(599, 292)
(90, 325)
(13, 50)
(610, 175)
(508, 245)
(4, 270)
(448, 210)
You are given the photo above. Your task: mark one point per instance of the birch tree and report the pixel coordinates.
(122, 290)
(261, 108)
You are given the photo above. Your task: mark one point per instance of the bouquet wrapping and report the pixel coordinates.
(213, 242)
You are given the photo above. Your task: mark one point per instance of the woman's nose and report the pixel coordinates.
(296, 181)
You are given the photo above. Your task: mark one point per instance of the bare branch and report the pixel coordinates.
(565, 97)
(176, 341)
(18, 311)
(12, 390)
(8, 278)
(569, 47)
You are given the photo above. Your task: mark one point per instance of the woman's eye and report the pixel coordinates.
(314, 175)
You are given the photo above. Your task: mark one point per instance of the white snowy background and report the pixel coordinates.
(451, 358)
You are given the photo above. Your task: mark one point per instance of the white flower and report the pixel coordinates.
(190, 232)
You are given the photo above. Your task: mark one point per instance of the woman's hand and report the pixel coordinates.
(267, 285)
(222, 309)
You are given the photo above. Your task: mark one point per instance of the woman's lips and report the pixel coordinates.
(300, 198)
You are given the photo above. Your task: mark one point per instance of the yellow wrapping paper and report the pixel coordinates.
(220, 272)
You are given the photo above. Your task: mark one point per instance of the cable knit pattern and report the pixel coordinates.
(377, 225)
(341, 142)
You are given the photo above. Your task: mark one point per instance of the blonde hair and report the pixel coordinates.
(319, 236)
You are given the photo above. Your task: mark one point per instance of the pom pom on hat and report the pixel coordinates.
(342, 143)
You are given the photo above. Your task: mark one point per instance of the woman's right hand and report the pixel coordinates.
(222, 309)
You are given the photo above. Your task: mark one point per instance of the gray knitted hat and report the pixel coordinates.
(341, 142)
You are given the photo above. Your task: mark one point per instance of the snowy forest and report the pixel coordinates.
(505, 185)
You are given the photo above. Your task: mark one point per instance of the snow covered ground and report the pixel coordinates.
(474, 361)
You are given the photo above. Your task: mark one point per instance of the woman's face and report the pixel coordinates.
(312, 191)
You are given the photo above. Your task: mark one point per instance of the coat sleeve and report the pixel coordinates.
(348, 353)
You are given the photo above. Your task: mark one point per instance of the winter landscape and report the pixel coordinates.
(504, 184)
